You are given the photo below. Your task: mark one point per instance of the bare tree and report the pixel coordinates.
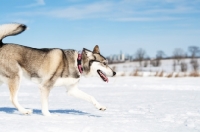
(174, 65)
(183, 66)
(159, 56)
(157, 61)
(194, 50)
(178, 54)
(140, 55)
(195, 64)
(146, 61)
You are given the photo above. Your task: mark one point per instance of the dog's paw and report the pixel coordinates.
(46, 113)
(27, 111)
(103, 109)
(100, 107)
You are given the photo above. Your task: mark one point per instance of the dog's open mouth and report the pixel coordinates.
(102, 75)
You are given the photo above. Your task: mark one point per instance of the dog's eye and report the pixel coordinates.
(105, 62)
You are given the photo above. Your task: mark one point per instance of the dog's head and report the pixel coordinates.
(94, 64)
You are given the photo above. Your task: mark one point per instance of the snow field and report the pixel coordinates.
(147, 104)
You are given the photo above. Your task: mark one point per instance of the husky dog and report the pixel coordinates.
(48, 68)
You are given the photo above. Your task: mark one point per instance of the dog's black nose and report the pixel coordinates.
(114, 73)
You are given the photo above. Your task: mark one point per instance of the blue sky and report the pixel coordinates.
(115, 25)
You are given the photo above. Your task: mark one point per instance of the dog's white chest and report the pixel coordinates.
(66, 81)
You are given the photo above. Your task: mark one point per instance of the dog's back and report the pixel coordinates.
(17, 60)
(15, 57)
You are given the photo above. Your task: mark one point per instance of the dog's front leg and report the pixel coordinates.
(74, 91)
(44, 100)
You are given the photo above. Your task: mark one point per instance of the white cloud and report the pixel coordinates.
(37, 3)
(40, 2)
(81, 11)
(143, 19)
(125, 10)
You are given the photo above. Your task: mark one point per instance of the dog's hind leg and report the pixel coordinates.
(74, 91)
(14, 85)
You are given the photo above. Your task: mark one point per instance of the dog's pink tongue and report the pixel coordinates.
(106, 80)
(104, 77)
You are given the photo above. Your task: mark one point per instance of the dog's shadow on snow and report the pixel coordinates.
(37, 111)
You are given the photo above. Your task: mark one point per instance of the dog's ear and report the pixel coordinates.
(87, 53)
(96, 50)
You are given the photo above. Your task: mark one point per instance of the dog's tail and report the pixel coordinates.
(11, 30)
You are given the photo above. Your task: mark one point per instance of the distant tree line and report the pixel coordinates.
(178, 57)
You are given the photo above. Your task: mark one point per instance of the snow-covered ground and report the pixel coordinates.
(134, 104)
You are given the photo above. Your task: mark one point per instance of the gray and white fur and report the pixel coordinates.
(47, 67)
